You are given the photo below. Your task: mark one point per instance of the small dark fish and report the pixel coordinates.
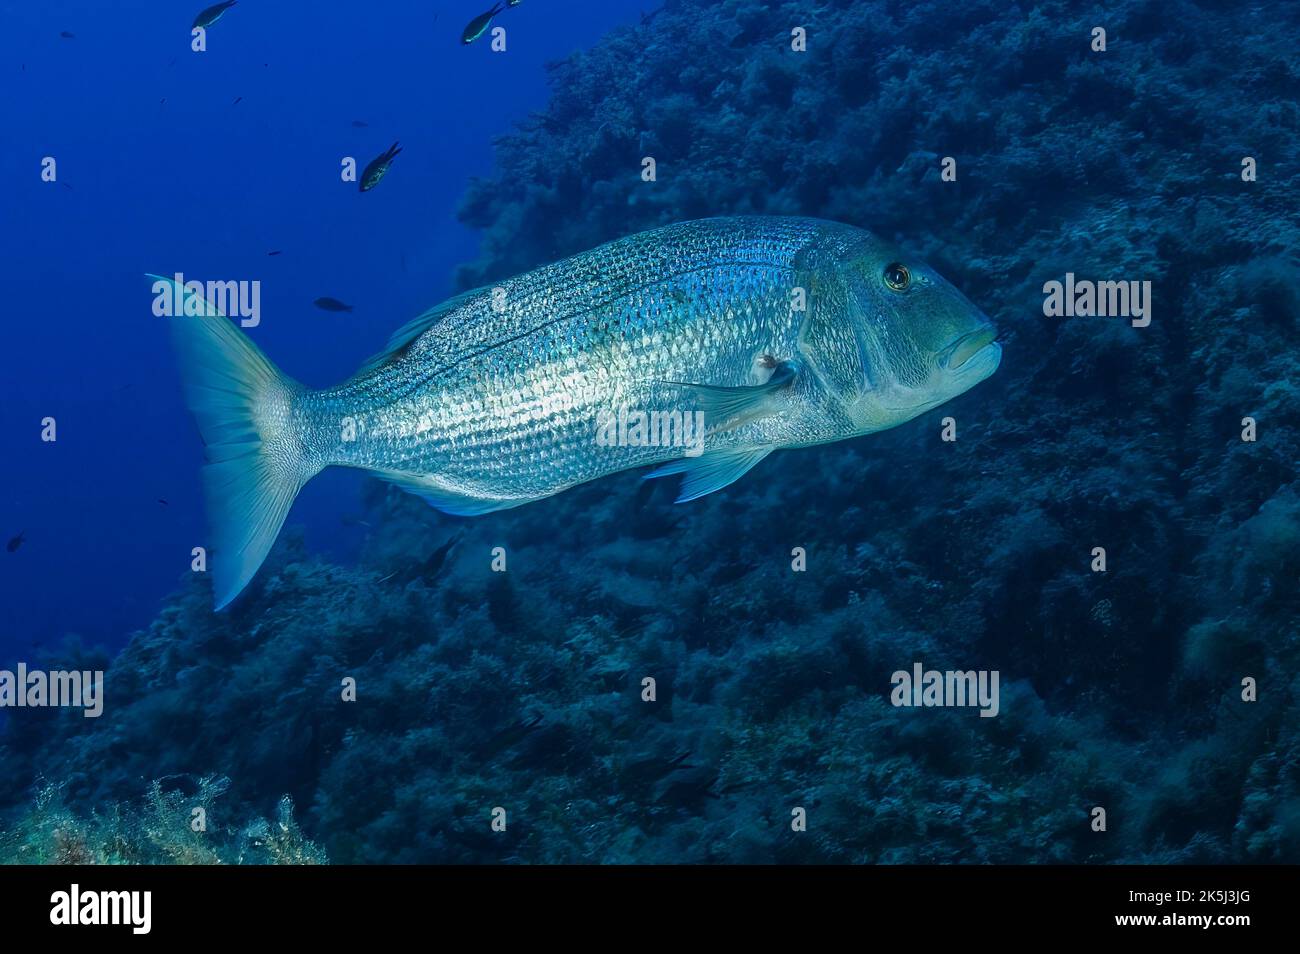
(646, 772)
(478, 26)
(645, 492)
(163, 101)
(378, 168)
(510, 737)
(68, 36)
(163, 502)
(212, 14)
(650, 524)
(732, 572)
(276, 252)
(439, 556)
(236, 102)
(737, 787)
(513, 3)
(360, 124)
(331, 304)
(16, 542)
(68, 187)
(688, 790)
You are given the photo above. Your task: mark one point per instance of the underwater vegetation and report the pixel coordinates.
(169, 828)
(523, 689)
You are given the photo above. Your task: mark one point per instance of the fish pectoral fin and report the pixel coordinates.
(711, 471)
(726, 408)
(453, 502)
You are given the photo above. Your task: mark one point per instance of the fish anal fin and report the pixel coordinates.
(454, 502)
(711, 471)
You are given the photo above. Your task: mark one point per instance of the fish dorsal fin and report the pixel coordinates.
(401, 338)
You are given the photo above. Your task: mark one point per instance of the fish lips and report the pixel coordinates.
(979, 365)
(979, 344)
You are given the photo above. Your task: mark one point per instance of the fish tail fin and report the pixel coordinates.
(244, 406)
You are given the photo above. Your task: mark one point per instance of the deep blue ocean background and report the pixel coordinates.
(158, 171)
(475, 689)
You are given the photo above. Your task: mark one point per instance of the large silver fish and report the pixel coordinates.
(772, 332)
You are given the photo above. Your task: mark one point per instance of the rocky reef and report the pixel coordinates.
(524, 690)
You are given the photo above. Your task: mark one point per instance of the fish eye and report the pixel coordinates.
(897, 276)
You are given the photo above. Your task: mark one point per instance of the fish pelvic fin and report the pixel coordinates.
(711, 471)
(255, 461)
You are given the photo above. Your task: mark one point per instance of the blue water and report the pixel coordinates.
(1160, 689)
(159, 171)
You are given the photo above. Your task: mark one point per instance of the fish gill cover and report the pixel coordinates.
(1160, 690)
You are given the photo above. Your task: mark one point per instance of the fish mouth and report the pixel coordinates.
(962, 365)
(959, 354)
